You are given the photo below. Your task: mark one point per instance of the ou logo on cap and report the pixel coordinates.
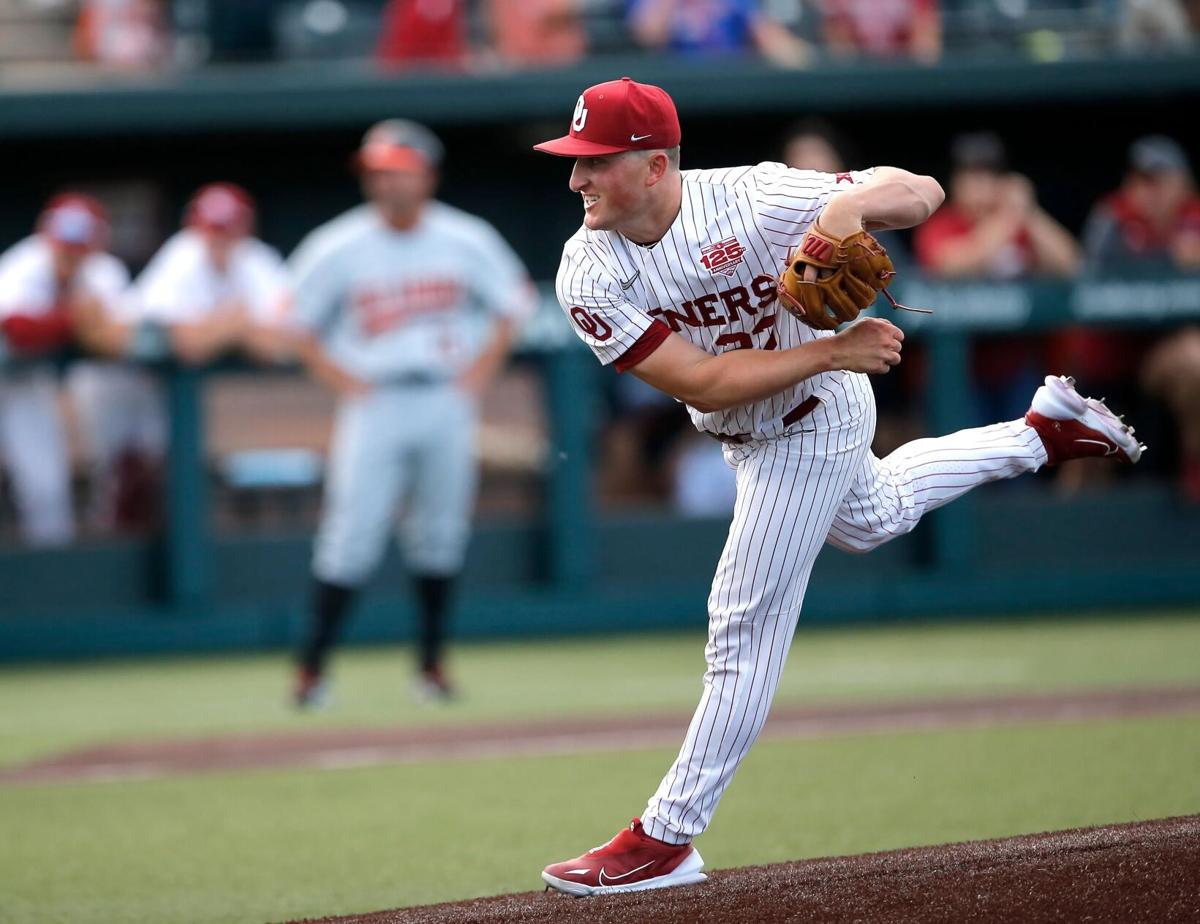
(580, 117)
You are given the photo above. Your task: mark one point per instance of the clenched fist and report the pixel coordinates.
(869, 345)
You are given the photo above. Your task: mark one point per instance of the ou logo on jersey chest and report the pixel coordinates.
(580, 118)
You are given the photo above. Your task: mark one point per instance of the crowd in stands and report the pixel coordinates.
(487, 35)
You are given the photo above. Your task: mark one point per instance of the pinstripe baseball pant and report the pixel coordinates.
(820, 482)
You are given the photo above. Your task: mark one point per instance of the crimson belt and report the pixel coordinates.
(798, 413)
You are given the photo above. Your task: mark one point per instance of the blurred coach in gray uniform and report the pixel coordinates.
(407, 309)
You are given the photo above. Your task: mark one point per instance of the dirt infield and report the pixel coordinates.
(1120, 874)
(325, 749)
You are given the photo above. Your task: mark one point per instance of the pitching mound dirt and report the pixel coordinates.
(1122, 874)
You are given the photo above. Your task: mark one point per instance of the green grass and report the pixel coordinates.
(270, 846)
(274, 845)
(44, 710)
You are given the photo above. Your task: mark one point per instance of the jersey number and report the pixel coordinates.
(742, 340)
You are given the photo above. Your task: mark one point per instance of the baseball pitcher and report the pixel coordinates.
(725, 289)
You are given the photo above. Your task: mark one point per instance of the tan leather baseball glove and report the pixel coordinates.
(851, 271)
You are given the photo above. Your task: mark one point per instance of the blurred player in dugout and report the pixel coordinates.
(387, 306)
(212, 288)
(52, 285)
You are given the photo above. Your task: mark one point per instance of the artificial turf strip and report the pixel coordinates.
(46, 709)
(279, 845)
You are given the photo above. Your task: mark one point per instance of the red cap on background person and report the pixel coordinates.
(223, 207)
(75, 220)
(398, 144)
(620, 115)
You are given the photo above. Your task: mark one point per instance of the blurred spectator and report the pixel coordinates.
(639, 441)
(1172, 373)
(419, 33)
(537, 32)
(704, 484)
(1151, 223)
(1153, 220)
(46, 281)
(992, 227)
(814, 144)
(883, 28)
(1156, 24)
(715, 26)
(129, 35)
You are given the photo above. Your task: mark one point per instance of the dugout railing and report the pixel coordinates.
(577, 568)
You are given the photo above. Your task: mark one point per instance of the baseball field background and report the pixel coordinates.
(135, 842)
(1028, 660)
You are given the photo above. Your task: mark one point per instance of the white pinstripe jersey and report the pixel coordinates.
(180, 284)
(711, 278)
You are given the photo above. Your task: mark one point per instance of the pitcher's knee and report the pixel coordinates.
(854, 545)
(861, 538)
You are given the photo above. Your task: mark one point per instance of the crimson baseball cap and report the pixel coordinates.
(398, 144)
(222, 207)
(620, 115)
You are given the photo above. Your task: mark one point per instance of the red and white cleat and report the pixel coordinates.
(631, 862)
(1074, 427)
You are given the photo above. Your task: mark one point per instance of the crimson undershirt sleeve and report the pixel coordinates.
(646, 344)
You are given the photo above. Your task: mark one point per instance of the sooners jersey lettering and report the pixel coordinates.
(712, 279)
(720, 309)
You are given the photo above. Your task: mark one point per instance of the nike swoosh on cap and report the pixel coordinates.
(639, 137)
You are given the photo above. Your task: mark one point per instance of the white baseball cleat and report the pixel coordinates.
(1074, 427)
